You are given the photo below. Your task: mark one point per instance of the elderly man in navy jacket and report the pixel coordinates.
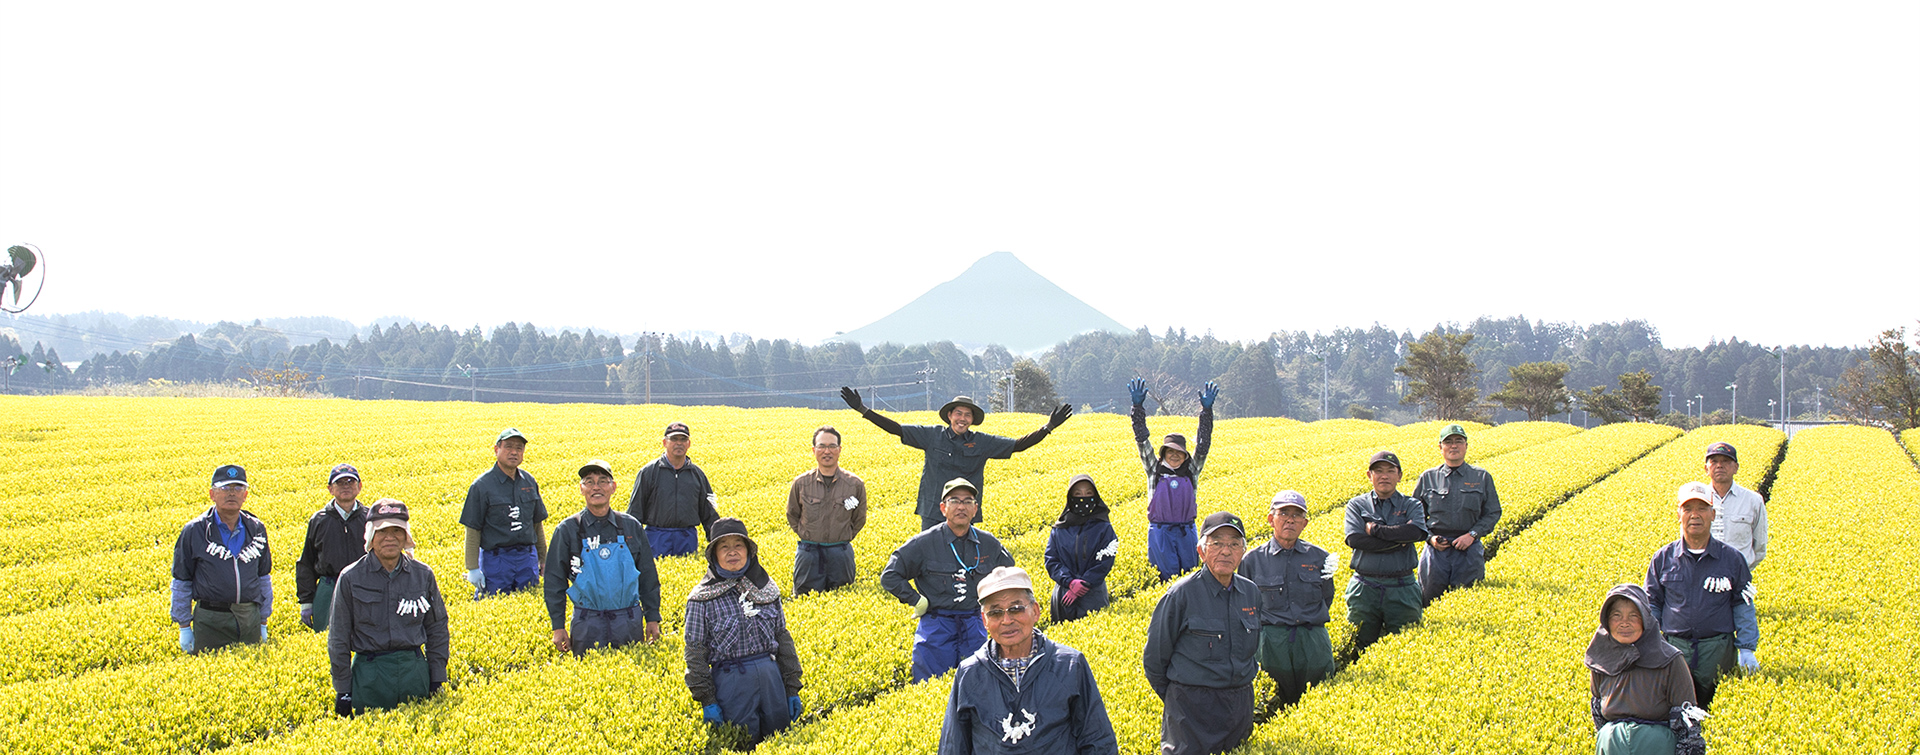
(1021, 692)
(223, 569)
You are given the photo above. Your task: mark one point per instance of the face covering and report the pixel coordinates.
(729, 574)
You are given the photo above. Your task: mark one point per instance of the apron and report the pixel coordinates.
(608, 580)
(386, 679)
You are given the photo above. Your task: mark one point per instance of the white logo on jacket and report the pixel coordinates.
(851, 503)
(747, 607)
(1717, 584)
(414, 607)
(513, 512)
(247, 554)
(1112, 549)
(1013, 734)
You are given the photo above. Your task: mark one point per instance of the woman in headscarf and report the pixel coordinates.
(1643, 700)
(1080, 552)
(741, 664)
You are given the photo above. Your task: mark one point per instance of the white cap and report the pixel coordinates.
(1694, 491)
(1005, 578)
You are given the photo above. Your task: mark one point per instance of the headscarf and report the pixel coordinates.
(751, 581)
(1612, 657)
(1081, 511)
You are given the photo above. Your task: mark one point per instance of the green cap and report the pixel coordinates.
(509, 433)
(1452, 430)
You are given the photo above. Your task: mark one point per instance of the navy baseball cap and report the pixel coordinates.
(677, 428)
(229, 475)
(342, 470)
(1386, 456)
(1722, 449)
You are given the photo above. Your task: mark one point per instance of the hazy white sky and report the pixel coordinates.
(796, 169)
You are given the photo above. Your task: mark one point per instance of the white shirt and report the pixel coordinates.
(1740, 520)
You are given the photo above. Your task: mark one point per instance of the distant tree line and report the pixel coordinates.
(1482, 370)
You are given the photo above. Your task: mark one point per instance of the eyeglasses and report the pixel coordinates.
(1015, 610)
(959, 501)
(826, 446)
(1220, 545)
(597, 481)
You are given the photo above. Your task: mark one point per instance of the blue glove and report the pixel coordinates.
(794, 708)
(711, 713)
(1748, 661)
(1137, 388)
(186, 639)
(1208, 393)
(263, 631)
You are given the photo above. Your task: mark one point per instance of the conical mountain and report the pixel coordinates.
(999, 300)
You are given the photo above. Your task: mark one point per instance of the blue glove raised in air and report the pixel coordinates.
(1208, 393)
(794, 708)
(186, 639)
(711, 713)
(1137, 388)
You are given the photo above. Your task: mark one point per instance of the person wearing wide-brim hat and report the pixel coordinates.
(954, 449)
(1173, 476)
(741, 663)
(1020, 691)
(387, 642)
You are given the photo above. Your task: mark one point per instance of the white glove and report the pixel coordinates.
(1693, 713)
(1333, 565)
(478, 579)
(920, 609)
(1747, 661)
(186, 639)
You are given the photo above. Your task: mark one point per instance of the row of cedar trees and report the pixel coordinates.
(1883, 389)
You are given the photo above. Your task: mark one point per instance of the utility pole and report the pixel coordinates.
(651, 340)
(926, 381)
(1780, 353)
(1734, 409)
(1700, 407)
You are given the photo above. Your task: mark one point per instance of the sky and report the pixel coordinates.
(791, 170)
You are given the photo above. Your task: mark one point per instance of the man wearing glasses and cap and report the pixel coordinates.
(1022, 692)
(1739, 514)
(388, 641)
(222, 570)
(600, 559)
(506, 543)
(1201, 647)
(1702, 592)
(954, 449)
(671, 496)
(1382, 526)
(938, 572)
(1296, 592)
(1462, 507)
(336, 536)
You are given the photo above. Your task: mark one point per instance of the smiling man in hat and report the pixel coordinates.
(672, 496)
(599, 558)
(1173, 475)
(1462, 507)
(1201, 647)
(1382, 525)
(1021, 692)
(388, 641)
(1702, 591)
(506, 542)
(223, 569)
(335, 538)
(954, 449)
(938, 572)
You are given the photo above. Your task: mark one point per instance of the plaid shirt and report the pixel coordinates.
(1016, 668)
(725, 628)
